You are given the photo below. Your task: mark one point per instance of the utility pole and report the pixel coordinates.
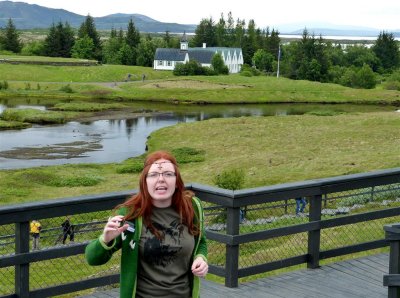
(279, 58)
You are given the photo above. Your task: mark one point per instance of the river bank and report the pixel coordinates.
(269, 150)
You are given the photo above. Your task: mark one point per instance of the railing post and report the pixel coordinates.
(232, 251)
(314, 237)
(22, 270)
(392, 280)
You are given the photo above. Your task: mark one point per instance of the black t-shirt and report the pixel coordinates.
(164, 265)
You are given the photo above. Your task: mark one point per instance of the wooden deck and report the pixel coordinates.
(362, 277)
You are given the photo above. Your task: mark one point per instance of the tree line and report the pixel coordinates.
(310, 58)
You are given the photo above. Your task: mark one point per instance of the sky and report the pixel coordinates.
(382, 14)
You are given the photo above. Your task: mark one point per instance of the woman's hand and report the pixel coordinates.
(199, 267)
(113, 228)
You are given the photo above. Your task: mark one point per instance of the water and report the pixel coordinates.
(105, 141)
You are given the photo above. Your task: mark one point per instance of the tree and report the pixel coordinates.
(132, 35)
(272, 42)
(252, 35)
(88, 29)
(10, 40)
(362, 77)
(360, 55)
(127, 54)
(218, 64)
(132, 40)
(308, 59)
(83, 48)
(146, 51)
(111, 50)
(239, 33)
(263, 60)
(366, 77)
(34, 48)
(230, 30)
(59, 41)
(220, 32)
(387, 51)
(205, 33)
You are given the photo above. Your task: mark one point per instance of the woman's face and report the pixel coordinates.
(161, 182)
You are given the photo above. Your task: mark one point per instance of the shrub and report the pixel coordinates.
(391, 85)
(4, 85)
(323, 113)
(230, 179)
(89, 180)
(187, 154)
(249, 71)
(246, 73)
(130, 168)
(192, 68)
(131, 165)
(66, 89)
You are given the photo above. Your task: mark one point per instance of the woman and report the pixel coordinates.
(160, 231)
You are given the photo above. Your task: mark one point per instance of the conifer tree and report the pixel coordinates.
(10, 39)
(59, 41)
(88, 28)
(387, 51)
(132, 35)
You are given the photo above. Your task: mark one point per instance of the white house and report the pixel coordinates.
(166, 59)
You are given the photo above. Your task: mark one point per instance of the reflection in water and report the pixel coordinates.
(117, 140)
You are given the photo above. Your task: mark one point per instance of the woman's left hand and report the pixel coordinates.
(199, 267)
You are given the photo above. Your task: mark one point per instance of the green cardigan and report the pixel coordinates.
(98, 253)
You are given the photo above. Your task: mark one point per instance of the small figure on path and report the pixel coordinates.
(35, 228)
(68, 229)
(300, 205)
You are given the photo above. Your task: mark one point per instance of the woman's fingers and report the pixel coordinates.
(199, 267)
(113, 228)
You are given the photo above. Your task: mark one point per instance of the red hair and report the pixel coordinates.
(140, 204)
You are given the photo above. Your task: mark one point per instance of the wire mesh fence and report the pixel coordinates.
(282, 213)
(83, 228)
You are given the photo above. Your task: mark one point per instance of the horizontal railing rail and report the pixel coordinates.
(250, 231)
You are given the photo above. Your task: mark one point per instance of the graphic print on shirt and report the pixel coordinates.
(164, 251)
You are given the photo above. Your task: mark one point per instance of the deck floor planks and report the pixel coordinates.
(363, 273)
(356, 278)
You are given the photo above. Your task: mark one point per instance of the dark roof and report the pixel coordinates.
(170, 54)
(201, 55)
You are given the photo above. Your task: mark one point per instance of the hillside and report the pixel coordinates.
(31, 16)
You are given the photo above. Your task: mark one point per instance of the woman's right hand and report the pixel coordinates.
(113, 228)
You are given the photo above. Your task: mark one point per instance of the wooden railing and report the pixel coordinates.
(232, 233)
(392, 280)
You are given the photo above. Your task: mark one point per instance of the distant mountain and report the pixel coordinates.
(326, 29)
(31, 16)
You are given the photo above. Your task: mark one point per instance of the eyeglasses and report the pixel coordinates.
(156, 175)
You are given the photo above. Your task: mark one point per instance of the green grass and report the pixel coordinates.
(98, 82)
(269, 150)
(42, 59)
(33, 116)
(13, 124)
(81, 74)
(87, 106)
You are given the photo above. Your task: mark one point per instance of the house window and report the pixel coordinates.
(169, 63)
(160, 63)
